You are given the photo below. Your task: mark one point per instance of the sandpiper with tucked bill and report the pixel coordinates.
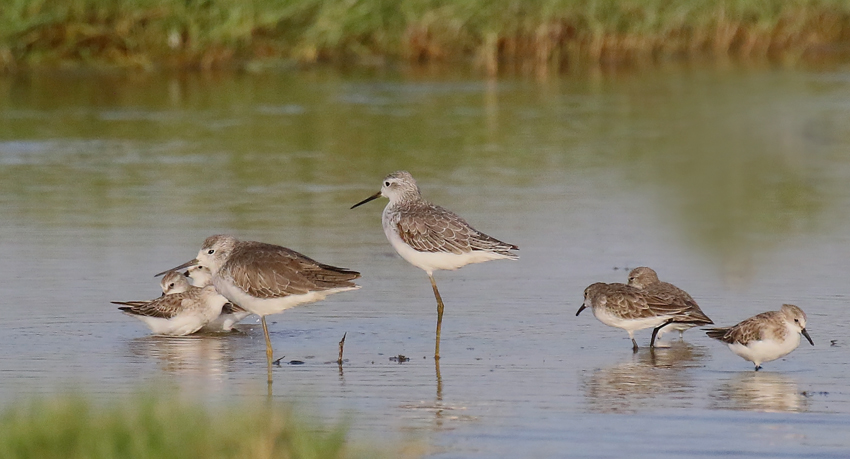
(646, 279)
(766, 336)
(431, 237)
(177, 313)
(622, 306)
(266, 278)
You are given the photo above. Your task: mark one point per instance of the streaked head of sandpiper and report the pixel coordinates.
(642, 277)
(796, 319)
(213, 254)
(399, 186)
(174, 282)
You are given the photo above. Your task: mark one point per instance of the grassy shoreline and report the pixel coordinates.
(545, 34)
(162, 427)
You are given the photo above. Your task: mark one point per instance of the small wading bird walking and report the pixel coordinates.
(267, 279)
(646, 279)
(431, 237)
(766, 336)
(629, 308)
(177, 314)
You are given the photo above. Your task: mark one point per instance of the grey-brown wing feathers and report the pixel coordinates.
(164, 307)
(677, 301)
(270, 271)
(435, 229)
(744, 332)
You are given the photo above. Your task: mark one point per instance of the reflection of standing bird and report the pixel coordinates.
(268, 279)
(431, 237)
(766, 336)
(647, 280)
(629, 308)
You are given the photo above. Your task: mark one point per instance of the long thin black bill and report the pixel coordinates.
(806, 334)
(370, 198)
(193, 262)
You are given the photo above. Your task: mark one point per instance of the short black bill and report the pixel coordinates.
(806, 334)
(582, 308)
(193, 262)
(370, 198)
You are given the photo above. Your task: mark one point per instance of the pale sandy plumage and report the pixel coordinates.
(174, 282)
(431, 237)
(647, 280)
(622, 306)
(231, 314)
(766, 336)
(177, 314)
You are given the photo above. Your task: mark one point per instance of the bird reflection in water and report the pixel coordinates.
(443, 414)
(197, 355)
(759, 391)
(649, 379)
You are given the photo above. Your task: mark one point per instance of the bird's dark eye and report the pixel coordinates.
(386, 183)
(171, 285)
(211, 251)
(796, 320)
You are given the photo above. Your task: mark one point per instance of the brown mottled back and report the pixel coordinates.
(270, 271)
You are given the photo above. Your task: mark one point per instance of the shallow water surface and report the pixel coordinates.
(732, 183)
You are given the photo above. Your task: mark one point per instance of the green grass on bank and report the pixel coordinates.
(492, 33)
(74, 427)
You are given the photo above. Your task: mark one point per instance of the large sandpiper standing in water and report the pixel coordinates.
(431, 237)
(268, 279)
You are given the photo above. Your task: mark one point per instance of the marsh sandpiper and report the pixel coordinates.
(646, 279)
(766, 336)
(431, 237)
(267, 279)
(629, 308)
(177, 314)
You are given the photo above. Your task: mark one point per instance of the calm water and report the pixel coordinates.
(732, 183)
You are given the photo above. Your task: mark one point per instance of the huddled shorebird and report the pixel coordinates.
(174, 282)
(630, 308)
(267, 279)
(431, 237)
(766, 336)
(231, 314)
(177, 314)
(646, 279)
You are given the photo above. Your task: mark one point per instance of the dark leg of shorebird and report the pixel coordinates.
(341, 346)
(268, 345)
(634, 346)
(439, 316)
(655, 332)
(439, 381)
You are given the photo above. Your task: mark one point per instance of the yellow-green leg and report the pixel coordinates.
(439, 316)
(268, 347)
